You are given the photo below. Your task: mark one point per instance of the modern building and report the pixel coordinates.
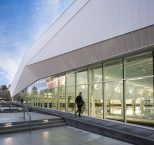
(102, 48)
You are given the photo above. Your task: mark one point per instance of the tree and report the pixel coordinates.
(4, 87)
(5, 93)
(34, 91)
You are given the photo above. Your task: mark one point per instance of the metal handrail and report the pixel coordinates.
(26, 110)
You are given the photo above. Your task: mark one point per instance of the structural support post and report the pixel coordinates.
(124, 98)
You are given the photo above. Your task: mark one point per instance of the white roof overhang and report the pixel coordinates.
(86, 22)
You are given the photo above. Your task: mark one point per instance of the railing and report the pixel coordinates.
(26, 111)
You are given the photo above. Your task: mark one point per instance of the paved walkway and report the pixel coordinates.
(130, 133)
(18, 116)
(58, 136)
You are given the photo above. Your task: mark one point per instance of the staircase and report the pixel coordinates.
(26, 126)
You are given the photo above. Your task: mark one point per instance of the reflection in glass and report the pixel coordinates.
(37, 97)
(34, 93)
(50, 97)
(96, 74)
(52, 85)
(137, 66)
(96, 100)
(113, 93)
(84, 90)
(138, 82)
(52, 82)
(61, 101)
(113, 71)
(61, 81)
(70, 77)
(43, 93)
(139, 99)
(70, 99)
(61, 93)
(55, 98)
(82, 77)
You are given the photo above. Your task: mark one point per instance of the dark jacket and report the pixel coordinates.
(79, 101)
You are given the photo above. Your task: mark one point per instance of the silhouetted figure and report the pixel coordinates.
(79, 101)
(22, 101)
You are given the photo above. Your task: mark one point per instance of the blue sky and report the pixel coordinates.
(21, 23)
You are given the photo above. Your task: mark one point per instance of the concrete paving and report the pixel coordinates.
(58, 136)
(12, 107)
(135, 134)
(18, 117)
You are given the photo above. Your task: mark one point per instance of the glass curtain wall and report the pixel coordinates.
(25, 96)
(104, 88)
(113, 90)
(70, 92)
(82, 86)
(53, 90)
(139, 88)
(37, 97)
(41, 101)
(34, 93)
(49, 90)
(29, 95)
(61, 93)
(44, 93)
(95, 95)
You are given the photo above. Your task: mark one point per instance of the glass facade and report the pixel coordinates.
(121, 89)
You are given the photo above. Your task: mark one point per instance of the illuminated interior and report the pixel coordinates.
(113, 90)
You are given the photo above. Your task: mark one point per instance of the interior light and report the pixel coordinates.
(150, 94)
(117, 89)
(129, 112)
(129, 101)
(45, 134)
(95, 86)
(8, 140)
(45, 120)
(131, 91)
(8, 124)
(140, 91)
(83, 87)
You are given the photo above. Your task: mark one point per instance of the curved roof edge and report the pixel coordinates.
(44, 38)
(85, 23)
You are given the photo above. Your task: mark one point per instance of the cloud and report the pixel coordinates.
(8, 64)
(14, 42)
(11, 53)
(46, 12)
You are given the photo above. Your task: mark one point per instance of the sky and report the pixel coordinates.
(21, 24)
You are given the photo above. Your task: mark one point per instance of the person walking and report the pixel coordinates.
(79, 101)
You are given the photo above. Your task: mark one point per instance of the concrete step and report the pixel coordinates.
(25, 126)
(10, 109)
(32, 121)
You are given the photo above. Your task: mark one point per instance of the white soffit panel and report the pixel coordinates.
(16, 78)
(86, 22)
(54, 29)
(97, 21)
(45, 37)
(26, 78)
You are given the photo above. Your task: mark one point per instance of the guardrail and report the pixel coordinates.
(25, 110)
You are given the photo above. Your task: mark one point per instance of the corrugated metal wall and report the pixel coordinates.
(138, 40)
